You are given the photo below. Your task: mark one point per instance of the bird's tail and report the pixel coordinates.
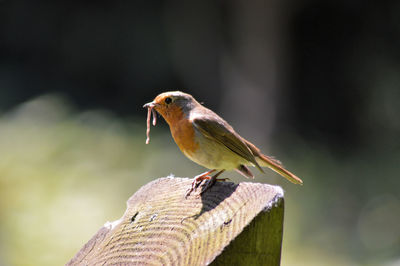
(277, 167)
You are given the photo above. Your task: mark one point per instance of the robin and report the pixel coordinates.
(207, 139)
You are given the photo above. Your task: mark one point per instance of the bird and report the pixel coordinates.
(208, 140)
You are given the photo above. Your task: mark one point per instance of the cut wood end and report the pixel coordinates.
(160, 226)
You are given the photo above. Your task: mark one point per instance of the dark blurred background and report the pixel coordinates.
(316, 83)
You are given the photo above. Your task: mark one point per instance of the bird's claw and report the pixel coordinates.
(195, 184)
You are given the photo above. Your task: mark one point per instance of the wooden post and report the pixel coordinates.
(230, 224)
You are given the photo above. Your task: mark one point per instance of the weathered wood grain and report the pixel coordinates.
(161, 227)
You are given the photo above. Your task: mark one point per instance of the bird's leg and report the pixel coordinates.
(197, 181)
(212, 181)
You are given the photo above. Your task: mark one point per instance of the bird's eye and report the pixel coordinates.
(168, 100)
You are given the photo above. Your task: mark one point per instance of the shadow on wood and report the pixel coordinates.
(228, 225)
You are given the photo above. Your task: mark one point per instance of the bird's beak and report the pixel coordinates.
(149, 105)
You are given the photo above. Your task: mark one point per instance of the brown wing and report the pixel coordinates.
(221, 132)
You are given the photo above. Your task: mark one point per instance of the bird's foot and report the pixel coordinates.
(197, 181)
(195, 184)
(212, 181)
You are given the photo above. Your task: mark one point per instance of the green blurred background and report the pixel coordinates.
(314, 83)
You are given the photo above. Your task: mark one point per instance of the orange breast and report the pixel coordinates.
(183, 133)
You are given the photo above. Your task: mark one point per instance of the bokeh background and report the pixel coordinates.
(314, 83)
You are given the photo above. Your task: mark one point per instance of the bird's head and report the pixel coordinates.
(173, 105)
